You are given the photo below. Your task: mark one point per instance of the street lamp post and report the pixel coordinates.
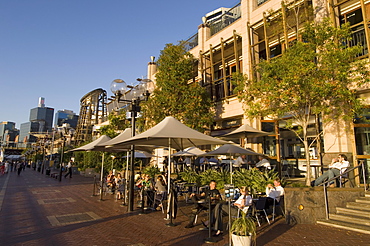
(61, 160)
(133, 95)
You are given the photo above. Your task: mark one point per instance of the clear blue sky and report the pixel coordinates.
(62, 49)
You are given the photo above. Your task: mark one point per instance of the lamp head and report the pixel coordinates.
(118, 86)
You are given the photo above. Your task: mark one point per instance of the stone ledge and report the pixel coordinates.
(313, 201)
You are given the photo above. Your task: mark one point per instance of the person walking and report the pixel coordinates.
(19, 167)
(69, 170)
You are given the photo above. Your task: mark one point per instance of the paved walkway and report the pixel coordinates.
(39, 210)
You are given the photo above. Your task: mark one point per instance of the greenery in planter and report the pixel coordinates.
(220, 176)
(151, 171)
(254, 179)
(190, 176)
(243, 226)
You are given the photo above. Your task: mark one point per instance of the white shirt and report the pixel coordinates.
(275, 192)
(239, 161)
(263, 163)
(247, 202)
(342, 166)
(187, 161)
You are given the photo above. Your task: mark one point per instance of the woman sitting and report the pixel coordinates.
(110, 182)
(160, 191)
(243, 203)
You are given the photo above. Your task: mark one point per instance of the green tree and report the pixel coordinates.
(117, 123)
(176, 93)
(316, 76)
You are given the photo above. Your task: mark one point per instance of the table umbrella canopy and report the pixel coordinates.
(141, 155)
(93, 146)
(191, 151)
(171, 132)
(108, 146)
(245, 131)
(231, 149)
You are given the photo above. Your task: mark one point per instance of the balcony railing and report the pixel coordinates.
(191, 42)
(225, 20)
(359, 38)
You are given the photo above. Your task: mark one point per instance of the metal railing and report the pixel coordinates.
(225, 20)
(191, 42)
(359, 38)
(324, 184)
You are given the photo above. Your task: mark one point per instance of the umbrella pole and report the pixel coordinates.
(171, 198)
(231, 171)
(101, 178)
(169, 177)
(126, 179)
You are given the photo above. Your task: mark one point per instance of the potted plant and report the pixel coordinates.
(243, 230)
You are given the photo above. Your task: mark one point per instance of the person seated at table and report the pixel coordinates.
(243, 203)
(263, 164)
(240, 162)
(160, 191)
(274, 193)
(110, 182)
(119, 185)
(147, 187)
(203, 162)
(213, 162)
(201, 201)
(187, 162)
(336, 167)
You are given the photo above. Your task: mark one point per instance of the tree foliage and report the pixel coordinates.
(318, 75)
(176, 93)
(117, 123)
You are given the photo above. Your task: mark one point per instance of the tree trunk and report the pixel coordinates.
(307, 153)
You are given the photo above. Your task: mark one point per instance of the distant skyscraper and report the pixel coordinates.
(66, 116)
(41, 120)
(7, 129)
(43, 116)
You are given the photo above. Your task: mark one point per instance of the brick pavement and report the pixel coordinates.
(39, 210)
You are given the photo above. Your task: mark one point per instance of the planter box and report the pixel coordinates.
(89, 172)
(241, 240)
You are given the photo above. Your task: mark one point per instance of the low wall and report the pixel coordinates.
(89, 172)
(313, 202)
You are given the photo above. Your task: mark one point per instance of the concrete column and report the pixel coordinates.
(204, 33)
(152, 69)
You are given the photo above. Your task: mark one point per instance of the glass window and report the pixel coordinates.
(259, 2)
(362, 138)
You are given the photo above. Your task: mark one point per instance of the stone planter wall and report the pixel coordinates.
(313, 202)
(89, 172)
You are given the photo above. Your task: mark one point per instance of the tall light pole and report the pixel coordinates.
(132, 96)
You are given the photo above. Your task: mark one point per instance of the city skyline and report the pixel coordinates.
(63, 50)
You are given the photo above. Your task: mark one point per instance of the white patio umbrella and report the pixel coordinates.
(171, 133)
(191, 151)
(93, 145)
(231, 149)
(244, 131)
(141, 155)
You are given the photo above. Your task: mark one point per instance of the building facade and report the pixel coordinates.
(255, 30)
(8, 134)
(66, 116)
(41, 121)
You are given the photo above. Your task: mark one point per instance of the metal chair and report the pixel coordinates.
(159, 198)
(259, 207)
(278, 205)
(285, 171)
